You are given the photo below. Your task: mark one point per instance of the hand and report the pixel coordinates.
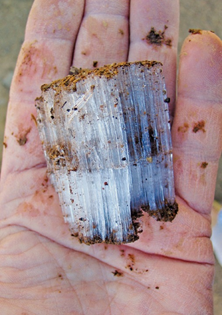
(43, 270)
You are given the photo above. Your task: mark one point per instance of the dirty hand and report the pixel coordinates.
(43, 270)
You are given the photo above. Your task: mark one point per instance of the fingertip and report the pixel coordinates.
(201, 37)
(201, 66)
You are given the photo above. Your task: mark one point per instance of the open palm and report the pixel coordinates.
(169, 270)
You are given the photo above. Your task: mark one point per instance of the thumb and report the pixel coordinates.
(197, 127)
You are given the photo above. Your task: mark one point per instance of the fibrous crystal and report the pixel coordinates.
(107, 143)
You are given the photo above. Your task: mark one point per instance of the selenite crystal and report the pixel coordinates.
(107, 142)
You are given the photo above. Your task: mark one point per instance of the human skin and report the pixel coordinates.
(169, 270)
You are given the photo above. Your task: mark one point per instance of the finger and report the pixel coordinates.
(45, 55)
(103, 36)
(197, 127)
(154, 26)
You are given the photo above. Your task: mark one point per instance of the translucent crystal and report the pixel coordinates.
(106, 138)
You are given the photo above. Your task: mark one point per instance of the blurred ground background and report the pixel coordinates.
(203, 14)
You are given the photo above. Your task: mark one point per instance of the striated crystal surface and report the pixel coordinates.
(106, 139)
